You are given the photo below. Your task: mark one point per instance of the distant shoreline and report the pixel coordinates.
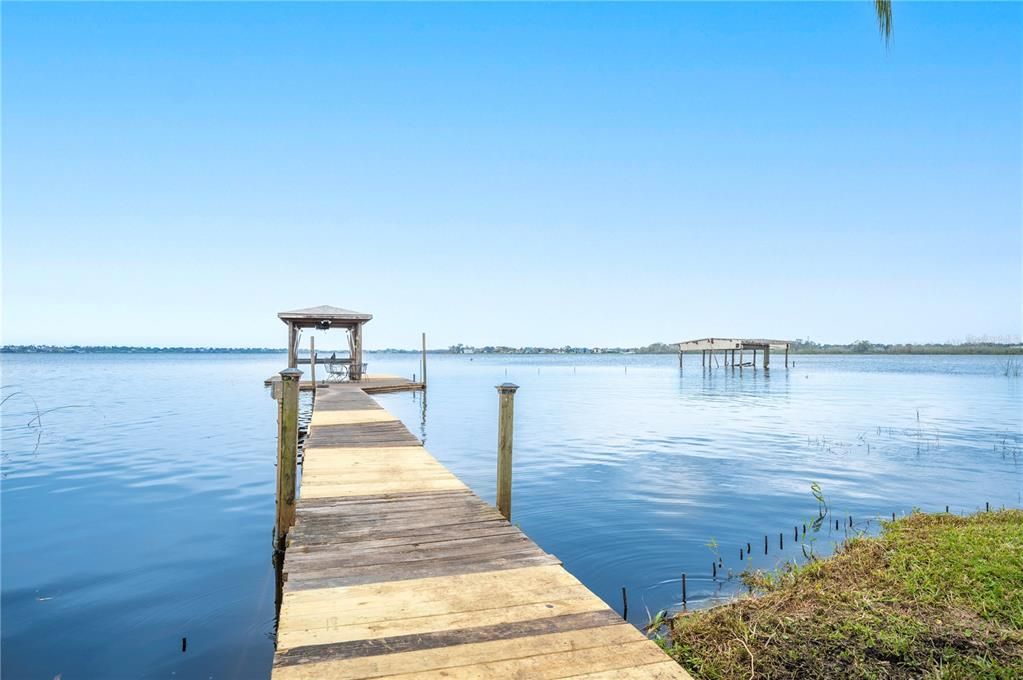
(993, 349)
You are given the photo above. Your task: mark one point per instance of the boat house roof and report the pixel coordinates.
(324, 315)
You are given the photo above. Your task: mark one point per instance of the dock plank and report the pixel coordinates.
(396, 569)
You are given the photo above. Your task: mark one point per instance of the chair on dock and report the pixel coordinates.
(337, 369)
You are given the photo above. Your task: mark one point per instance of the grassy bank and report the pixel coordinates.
(934, 596)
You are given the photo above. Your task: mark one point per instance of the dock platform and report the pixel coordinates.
(394, 568)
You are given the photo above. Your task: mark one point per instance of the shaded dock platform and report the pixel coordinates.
(394, 568)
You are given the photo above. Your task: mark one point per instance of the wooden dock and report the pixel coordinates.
(395, 569)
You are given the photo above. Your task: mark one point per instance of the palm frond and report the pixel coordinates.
(884, 19)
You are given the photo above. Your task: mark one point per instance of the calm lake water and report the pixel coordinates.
(137, 510)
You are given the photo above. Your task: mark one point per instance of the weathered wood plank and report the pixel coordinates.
(556, 655)
(322, 416)
(446, 638)
(362, 575)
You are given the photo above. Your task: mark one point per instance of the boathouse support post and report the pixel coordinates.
(312, 361)
(356, 372)
(287, 452)
(767, 357)
(703, 358)
(754, 358)
(786, 356)
(292, 345)
(505, 422)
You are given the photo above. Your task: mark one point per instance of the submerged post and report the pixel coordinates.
(786, 355)
(505, 420)
(287, 452)
(767, 357)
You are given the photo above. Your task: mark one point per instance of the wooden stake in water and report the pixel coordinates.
(424, 359)
(683, 589)
(625, 604)
(505, 422)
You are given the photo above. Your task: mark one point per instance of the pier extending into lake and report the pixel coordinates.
(395, 568)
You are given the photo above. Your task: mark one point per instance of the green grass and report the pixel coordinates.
(934, 596)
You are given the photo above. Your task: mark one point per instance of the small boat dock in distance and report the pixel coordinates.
(395, 568)
(729, 346)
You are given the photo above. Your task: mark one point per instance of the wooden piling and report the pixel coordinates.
(683, 589)
(625, 604)
(292, 345)
(754, 358)
(786, 356)
(424, 359)
(287, 452)
(505, 422)
(312, 361)
(767, 357)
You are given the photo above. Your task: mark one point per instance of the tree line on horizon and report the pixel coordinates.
(807, 346)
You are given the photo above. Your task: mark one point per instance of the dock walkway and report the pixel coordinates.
(395, 568)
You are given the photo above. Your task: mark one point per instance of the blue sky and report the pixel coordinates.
(586, 174)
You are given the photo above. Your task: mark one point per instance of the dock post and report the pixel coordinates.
(287, 452)
(742, 357)
(703, 358)
(754, 358)
(424, 359)
(767, 358)
(680, 360)
(505, 421)
(786, 356)
(312, 361)
(292, 345)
